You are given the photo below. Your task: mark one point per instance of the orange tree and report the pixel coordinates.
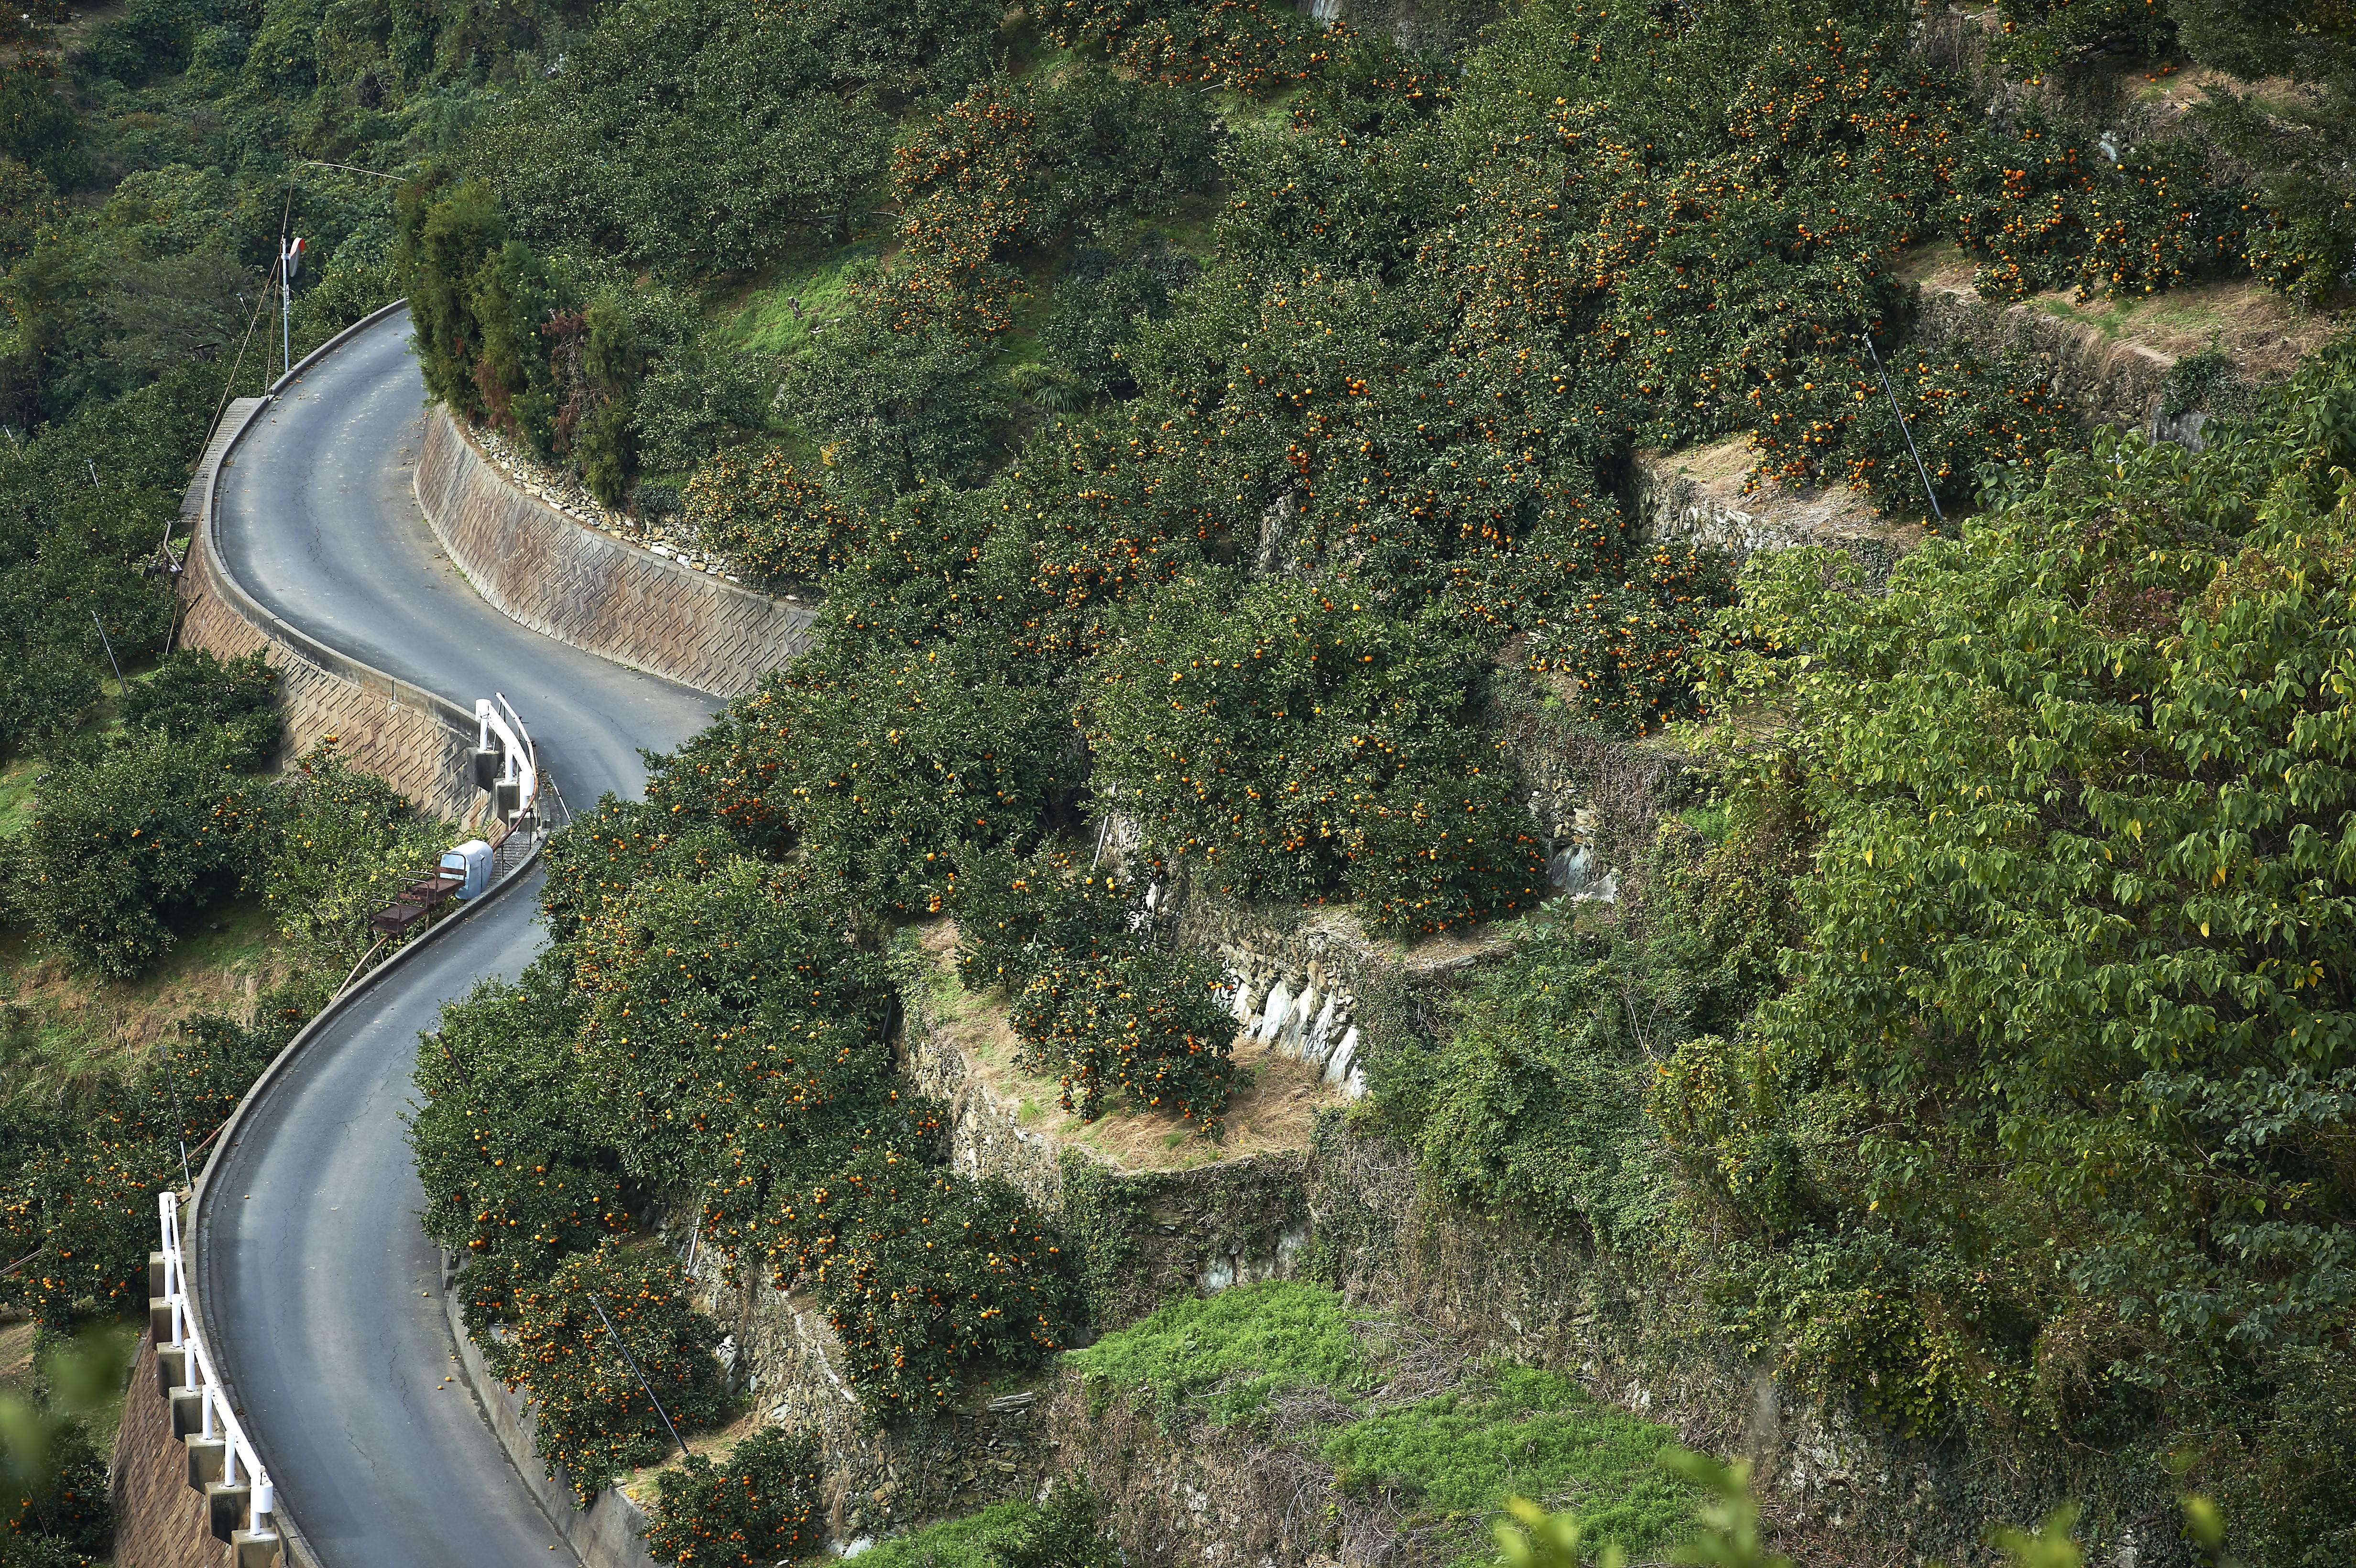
(761, 1506)
(1239, 44)
(925, 1274)
(785, 524)
(77, 1200)
(1306, 745)
(146, 830)
(511, 1180)
(1099, 994)
(593, 1412)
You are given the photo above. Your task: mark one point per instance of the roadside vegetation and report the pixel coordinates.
(1202, 414)
(175, 906)
(1207, 416)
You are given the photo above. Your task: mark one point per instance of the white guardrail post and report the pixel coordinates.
(218, 1422)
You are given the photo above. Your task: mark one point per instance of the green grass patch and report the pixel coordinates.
(1228, 1353)
(973, 1541)
(766, 322)
(1520, 1432)
(17, 792)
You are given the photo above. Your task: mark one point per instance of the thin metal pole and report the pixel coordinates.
(632, 1362)
(285, 314)
(173, 1080)
(108, 646)
(1888, 392)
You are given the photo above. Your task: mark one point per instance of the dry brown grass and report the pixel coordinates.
(61, 1024)
(1274, 1105)
(2264, 334)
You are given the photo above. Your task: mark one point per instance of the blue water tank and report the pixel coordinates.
(471, 861)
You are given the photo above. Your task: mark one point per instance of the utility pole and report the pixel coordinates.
(290, 263)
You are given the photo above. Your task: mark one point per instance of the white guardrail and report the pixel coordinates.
(216, 1421)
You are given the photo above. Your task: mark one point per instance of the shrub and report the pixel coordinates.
(196, 698)
(148, 831)
(926, 1274)
(1059, 1533)
(764, 1505)
(591, 1413)
(2015, 1044)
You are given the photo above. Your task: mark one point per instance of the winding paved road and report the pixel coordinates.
(324, 1297)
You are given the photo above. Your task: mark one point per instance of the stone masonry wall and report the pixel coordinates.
(990, 1447)
(575, 584)
(404, 738)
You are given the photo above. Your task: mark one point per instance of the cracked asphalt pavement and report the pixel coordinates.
(322, 1293)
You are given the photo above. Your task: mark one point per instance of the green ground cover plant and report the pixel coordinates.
(1519, 1432)
(1223, 1355)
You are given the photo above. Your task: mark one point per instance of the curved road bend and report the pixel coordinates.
(324, 1294)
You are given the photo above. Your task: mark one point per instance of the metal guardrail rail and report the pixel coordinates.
(240, 1458)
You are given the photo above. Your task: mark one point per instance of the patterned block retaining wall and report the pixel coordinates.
(571, 582)
(422, 745)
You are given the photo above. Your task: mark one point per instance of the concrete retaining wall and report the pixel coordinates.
(610, 1533)
(577, 585)
(418, 742)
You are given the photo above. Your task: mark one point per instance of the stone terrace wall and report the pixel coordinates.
(575, 584)
(422, 747)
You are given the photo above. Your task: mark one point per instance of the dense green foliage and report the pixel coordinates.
(1228, 471)
(2058, 1079)
(757, 1509)
(2306, 244)
(2035, 1124)
(609, 1345)
(707, 1015)
(78, 1178)
(1213, 465)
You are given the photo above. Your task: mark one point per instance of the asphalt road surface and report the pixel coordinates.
(322, 1294)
